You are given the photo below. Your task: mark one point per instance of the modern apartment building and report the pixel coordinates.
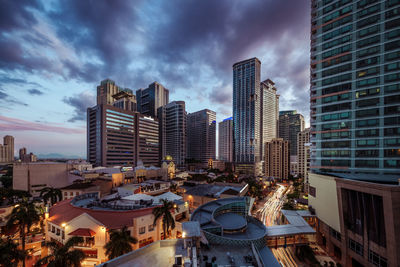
(201, 135)
(355, 88)
(277, 158)
(355, 97)
(7, 149)
(290, 124)
(111, 136)
(172, 131)
(303, 155)
(247, 111)
(151, 98)
(225, 140)
(147, 140)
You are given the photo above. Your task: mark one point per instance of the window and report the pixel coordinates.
(367, 153)
(368, 72)
(335, 61)
(392, 66)
(392, 99)
(336, 125)
(151, 227)
(336, 51)
(337, 116)
(368, 82)
(392, 121)
(337, 88)
(142, 230)
(367, 62)
(62, 234)
(367, 92)
(71, 193)
(390, 3)
(392, 56)
(392, 163)
(368, 51)
(367, 133)
(336, 79)
(337, 14)
(392, 45)
(392, 24)
(48, 227)
(58, 231)
(335, 6)
(391, 131)
(336, 70)
(335, 153)
(393, 34)
(356, 247)
(392, 88)
(368, 21)
(364, 3)
(392, 13)
(392, 142)
(367, 142)
(335, 162)
(367, 113)
(368, 31)
(368, 11)
(312, 190)
(335, 98)
(335, 144)
(336, 42)
(376, 259)
(53, 229)
(368, 41)
(337, 32)
(392, 77)
(392, 153)
(336, 107)
(367, 123)
(367, 163)
(336, 135)
(392, 110)
(337, 23)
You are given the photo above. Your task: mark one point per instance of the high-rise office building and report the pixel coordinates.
(269, 113)
(7, 149)
(109, 93)
(151, 98)
(277, 159)
(201, 135)
(303, 155)
(247, 112)
(290, 124)
(355, 88)
(172, 128)
(22, 153)
(147, 140)
(111, 133)
(355, 96)
(225, 140)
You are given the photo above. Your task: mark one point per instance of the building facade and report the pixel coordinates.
(147, 140)
(269, 113)
(151, 98)
(277, 158)
(303, 155)
(201, 135)
(7, 149)
(108, 93)
(247, 111)
(172, 131)
(225, 140)
(290, 124)
(355, 88)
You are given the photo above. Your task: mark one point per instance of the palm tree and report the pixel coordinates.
(120, 243)
(10, 254)
(52, 194)
(23, 215)
(63, 255)
(164, 212)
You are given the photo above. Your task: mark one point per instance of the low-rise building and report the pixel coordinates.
(92, 219)
(101, 185)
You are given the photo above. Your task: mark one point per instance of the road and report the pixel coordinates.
(270, 215)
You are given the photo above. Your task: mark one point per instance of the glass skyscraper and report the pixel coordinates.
(355, 89)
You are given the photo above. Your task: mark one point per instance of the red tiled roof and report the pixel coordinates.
(83, 232)
(63, 212)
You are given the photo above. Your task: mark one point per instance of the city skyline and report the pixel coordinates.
(60, 84)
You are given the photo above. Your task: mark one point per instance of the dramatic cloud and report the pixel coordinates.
(34, 91)
(80, 103)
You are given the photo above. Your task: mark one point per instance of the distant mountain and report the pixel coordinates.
(57, 156)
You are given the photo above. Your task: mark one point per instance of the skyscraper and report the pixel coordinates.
(269, 113)
(290, 124)
(7, 149)
(225, 140)
(151, 98)
(303, 155)
(201, 135)
(355, 96)
(277, 159)
(109, 93)
(147, 140)
(172, 128)
(247, 112)
(355, 88)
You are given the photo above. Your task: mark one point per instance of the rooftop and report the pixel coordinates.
(212, 190)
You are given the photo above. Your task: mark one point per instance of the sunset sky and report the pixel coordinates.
(54, 53)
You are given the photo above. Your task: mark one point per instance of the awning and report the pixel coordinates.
(83, 232)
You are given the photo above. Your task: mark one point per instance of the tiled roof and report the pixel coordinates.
(83, 232)
(64, 212)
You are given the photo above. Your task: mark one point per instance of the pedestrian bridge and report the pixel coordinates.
(297, 231)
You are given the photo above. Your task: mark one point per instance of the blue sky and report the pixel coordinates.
(54, 53)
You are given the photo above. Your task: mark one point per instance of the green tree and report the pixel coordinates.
(52, 194)
(120, 243)
(23, 216)
(10, 254)
(164, 212)
(63, 255)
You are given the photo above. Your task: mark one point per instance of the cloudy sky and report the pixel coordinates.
(54, 53)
